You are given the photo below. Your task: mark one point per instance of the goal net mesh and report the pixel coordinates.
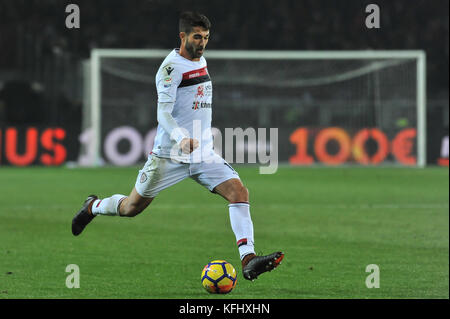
(316, 95)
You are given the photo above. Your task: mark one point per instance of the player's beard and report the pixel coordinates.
(192, 50)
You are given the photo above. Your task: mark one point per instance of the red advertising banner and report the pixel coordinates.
(53, 146)
(352, 149)
(23, 147)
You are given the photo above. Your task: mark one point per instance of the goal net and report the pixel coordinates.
(329, 107)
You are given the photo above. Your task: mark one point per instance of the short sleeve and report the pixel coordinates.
(167, 80)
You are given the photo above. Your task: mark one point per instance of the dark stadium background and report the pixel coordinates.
(37, 51)
(331, 222)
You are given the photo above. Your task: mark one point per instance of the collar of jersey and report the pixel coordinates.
(177, 50)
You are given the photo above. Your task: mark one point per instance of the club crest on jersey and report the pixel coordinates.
(143, 178)
(200, 91)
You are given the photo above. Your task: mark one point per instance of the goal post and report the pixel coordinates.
(325, 73)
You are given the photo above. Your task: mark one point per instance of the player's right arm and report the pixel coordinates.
(167, 80)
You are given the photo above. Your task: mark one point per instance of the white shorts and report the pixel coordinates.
(160, 173)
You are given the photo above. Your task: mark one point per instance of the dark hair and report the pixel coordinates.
(189, 19)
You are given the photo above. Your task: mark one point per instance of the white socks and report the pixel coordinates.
(242, 226)
(108, 206)
(240, 220)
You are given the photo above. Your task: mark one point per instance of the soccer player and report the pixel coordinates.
(184, 109)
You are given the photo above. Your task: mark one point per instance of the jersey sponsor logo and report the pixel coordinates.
(200, 95)
(201, 105)
(195, 73)
(195, 77)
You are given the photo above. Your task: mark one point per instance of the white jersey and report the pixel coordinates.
(187, 84)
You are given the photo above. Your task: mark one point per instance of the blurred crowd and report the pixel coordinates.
(257, 24)
(33, 32)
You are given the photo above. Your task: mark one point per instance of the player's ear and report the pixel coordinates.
(183, 36)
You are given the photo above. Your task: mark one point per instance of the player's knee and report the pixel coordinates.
(245, 194)
(240, 194)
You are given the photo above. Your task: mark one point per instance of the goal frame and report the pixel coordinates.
(418, 55)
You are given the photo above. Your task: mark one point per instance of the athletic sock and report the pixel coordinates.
(107, 206)
(242, 226)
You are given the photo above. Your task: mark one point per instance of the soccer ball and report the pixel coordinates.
(219, 277)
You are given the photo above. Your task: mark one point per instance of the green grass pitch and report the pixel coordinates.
(330, 222)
